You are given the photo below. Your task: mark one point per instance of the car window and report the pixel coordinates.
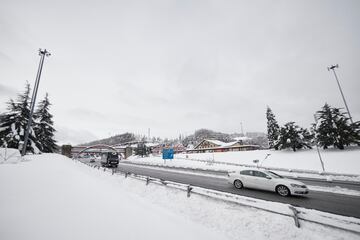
(259, 174)
(246, 172)
(274, 175)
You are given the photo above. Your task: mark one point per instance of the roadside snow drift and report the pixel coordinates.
(337, 161)
(52, 197)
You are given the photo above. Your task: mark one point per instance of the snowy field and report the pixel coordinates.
(335, 161)
(51, 197)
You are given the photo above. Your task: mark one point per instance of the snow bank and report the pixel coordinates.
(52, 197)
(338, 161)
(9, 155)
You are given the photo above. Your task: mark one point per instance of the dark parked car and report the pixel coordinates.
(110, 159)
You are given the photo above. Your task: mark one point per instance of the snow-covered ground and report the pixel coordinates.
(293, 163)
(52, 197)
(9, 155)
(337, 161)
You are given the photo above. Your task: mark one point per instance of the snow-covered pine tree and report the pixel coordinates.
(294, 137)
(333, 128)
(272, 128)
(14, 122)
(43, 128)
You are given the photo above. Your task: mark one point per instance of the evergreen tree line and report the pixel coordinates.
(331, 129)
(14, 121)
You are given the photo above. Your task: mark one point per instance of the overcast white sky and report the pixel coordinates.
(176, 66)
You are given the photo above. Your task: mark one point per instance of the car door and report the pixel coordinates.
(247, 178)
(262, 181)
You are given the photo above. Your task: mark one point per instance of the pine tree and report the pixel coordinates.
(294, 137)
(13, 123)
(333, 128)
(43, 128)
(272, 128)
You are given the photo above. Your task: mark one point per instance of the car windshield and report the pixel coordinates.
(113, 156)
(274, 175)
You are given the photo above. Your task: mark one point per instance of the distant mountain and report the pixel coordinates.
(201, 134)
(117, 139)
(257, 138)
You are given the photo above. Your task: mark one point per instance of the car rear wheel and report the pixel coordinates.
(283, 190)
(238, 184)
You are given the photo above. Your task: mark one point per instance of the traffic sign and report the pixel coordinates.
(168, 153)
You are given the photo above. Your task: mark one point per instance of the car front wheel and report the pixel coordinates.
(238, 184)
(283, 190)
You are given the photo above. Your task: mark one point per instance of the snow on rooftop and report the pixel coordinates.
(223, 144)
(214, 141)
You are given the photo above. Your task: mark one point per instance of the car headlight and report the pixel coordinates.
(296, 185)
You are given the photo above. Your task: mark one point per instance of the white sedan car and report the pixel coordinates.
(267, 180)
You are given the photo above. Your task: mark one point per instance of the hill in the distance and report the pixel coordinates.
(117, 139)
(193, 139)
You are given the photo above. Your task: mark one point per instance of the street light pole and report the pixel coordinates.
(316, 144)
(332, 67)
(42, 54)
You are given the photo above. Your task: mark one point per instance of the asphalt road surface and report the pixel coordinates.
(345, 205)
(308, 181)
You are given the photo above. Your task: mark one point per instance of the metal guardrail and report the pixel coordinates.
(229, 197)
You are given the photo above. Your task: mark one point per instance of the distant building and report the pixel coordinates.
(211, 145)
(178, 148)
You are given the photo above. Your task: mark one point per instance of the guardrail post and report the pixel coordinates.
(189, 188)
(296, 219)
(163, 181)
(113, 171)
(147, 180)
(126, 174)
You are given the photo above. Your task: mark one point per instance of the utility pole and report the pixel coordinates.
(42, 54)
(332, 67)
